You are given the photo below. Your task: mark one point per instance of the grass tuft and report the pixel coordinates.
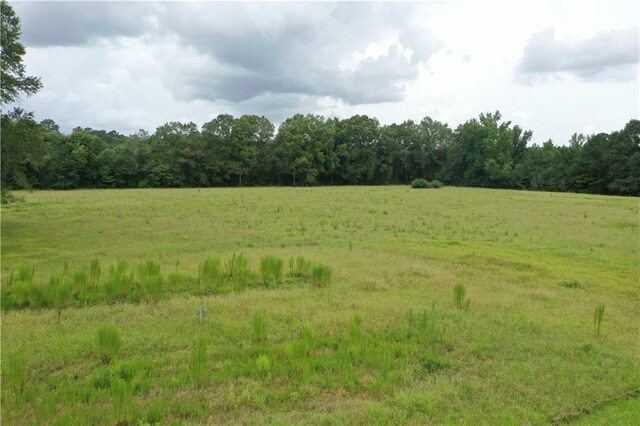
(197, 362)
(108, 343)
(299, 267)
(259, 327)
(597, 318)
(271, 270)
(459, 293)
(321, 275)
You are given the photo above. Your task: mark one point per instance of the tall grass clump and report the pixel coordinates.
(299, 267)
(151, 281)
(197, 362)
(210, 275)
(94, 272)
(60, 293)
(108, 342)
(320, 275)
(459, 292)
(237, 271)
(271, 270)
(14, 374)
(118, 282)
(80, 281)
(597, 318)
(259, 327)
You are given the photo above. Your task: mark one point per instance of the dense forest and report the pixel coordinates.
(312, 150)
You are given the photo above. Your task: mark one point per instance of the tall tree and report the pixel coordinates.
(13, 78)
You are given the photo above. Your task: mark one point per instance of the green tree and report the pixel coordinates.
(13, 78)
(22, 149)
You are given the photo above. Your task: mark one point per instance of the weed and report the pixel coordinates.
(459, 292)
(197, 362)
(571, 284)
(597, 318)
(263, 366)
(271, 270)
(109, 342)
(100, 378)
(433, 363)
(259, 327)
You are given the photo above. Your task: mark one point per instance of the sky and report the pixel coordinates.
(555, 67)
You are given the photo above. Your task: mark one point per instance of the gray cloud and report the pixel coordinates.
(597, 58)
(79, 23)
(234, 52)
(299, 52)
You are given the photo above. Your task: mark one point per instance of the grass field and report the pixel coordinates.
(383, 343)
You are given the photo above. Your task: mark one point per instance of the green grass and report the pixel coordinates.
(381, 344)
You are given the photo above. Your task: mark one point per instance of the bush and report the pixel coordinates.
(423, 183)
(109, 342)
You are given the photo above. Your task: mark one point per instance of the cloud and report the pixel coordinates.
(81, 23)
(606, 56)
(249, 50)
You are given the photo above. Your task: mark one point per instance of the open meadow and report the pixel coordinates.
(434, 306)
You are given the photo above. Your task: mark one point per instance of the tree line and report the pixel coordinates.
(306, 150)
(312, 150)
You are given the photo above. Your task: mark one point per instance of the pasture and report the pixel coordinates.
(381, 341)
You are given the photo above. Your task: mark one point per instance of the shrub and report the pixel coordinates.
(597, 318)
(320, 275)
(109, 342)
(271, 270)
(423, 183)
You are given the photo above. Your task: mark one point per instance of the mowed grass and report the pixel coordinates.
(382, 343)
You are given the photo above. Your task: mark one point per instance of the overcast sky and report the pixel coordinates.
(555, 67)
